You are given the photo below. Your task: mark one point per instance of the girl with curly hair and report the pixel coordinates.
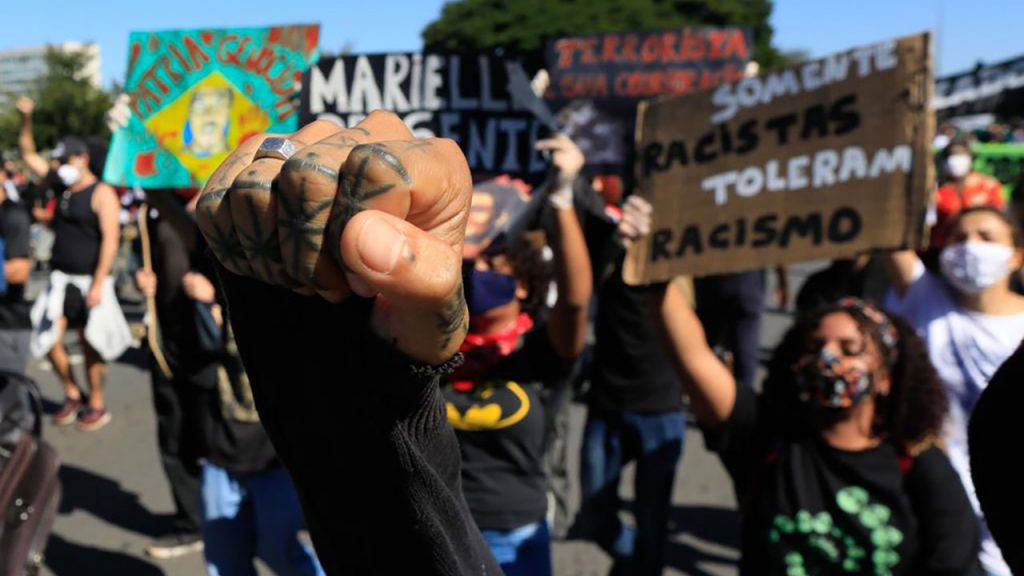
(836, 464)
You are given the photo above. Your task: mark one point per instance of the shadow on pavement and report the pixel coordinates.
(105, 499)
(708, 534)
(67, 558)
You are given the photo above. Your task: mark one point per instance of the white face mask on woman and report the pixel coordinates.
(958, 165)
(974, 266)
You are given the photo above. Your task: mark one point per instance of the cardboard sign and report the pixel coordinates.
(622, 68)
(821, 160)
(997, 88)
(196, 94)
(465, 98)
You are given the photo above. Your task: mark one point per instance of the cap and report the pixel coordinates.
(67, 147)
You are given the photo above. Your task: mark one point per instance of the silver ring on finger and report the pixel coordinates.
(276, 148)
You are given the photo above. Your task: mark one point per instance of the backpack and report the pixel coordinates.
(29, 486)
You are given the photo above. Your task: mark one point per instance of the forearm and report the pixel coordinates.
(575, 284)
(708, 382)
(26, 143)
(108, 253)
(901, 265)
(332, 397)
(27, 148)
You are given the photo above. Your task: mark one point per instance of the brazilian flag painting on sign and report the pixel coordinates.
(196, 94)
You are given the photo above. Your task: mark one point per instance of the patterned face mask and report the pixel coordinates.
(831, 381)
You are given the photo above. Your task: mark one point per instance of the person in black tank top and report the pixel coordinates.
(76, 228)
(87, 231)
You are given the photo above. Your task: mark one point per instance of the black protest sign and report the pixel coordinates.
(821, 160)
(622, 68)
(998, 89)
(462, 97)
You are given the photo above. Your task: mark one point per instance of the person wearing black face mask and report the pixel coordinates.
(836, 465)
(81, 291)
(492, 399)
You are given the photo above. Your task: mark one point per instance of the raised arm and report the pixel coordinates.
(901, 265)
(26, 143)
(708, 382)
(567, 326)
(341, 380)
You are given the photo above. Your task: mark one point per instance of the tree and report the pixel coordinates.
(66, 103)
(520, 28)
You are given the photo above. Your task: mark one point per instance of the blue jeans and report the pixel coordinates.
(524, 551)
(245, 516)
(610, 441)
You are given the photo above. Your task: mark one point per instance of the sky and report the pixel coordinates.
(966, 31)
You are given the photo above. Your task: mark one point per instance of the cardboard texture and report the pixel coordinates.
(823, 160)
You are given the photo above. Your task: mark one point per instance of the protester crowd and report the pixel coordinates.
(403, 395)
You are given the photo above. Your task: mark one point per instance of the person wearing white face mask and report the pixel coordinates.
(961, 188)
(971, 322)
(80, 293)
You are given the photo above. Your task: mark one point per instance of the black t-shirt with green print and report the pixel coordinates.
(809, 509)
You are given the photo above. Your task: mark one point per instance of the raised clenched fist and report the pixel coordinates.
(369, 210)
(25, 105)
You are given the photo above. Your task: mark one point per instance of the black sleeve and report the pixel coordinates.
(947, 528)
(737, 442)
(993, 440)
(16, 233)
(367, 443)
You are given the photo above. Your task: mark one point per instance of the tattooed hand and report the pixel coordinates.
(368, 210)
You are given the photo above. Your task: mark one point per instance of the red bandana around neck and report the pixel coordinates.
(483, 351)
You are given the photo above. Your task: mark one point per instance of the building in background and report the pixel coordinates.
(21, 67)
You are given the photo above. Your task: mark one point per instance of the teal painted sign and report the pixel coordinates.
(196, 94)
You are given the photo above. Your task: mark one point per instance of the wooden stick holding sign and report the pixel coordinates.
(822, 160)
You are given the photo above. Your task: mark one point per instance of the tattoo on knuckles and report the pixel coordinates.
(227, 248)
(354, 194)
(350, 201)
(265, 186)
(296, 225)
(451, 320)
(308, 165)
(210, 199)
(386, 157)
(261, 244)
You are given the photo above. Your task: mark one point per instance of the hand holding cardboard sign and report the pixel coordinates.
(636, 220)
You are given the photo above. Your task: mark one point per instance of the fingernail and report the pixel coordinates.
(380, 245)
